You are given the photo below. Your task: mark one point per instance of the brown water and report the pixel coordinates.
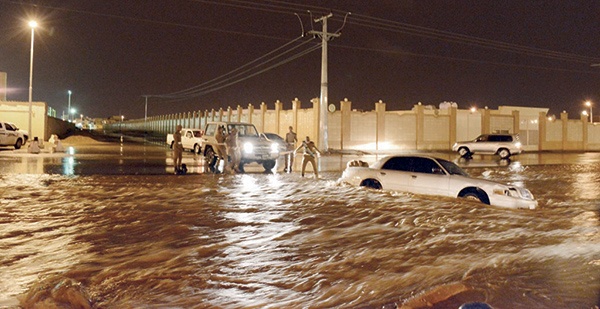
(281, 241)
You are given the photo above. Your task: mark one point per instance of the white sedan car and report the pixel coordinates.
(427, 175)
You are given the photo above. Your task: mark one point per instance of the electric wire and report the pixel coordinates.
(219, 79)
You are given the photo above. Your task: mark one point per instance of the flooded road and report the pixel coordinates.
(115, 220)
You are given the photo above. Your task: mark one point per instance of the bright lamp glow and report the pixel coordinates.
(33, 24)
(248, 148)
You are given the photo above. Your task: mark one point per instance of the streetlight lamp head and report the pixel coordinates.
(69, 92)
(33, 24)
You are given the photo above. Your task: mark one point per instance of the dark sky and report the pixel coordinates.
(485, 53)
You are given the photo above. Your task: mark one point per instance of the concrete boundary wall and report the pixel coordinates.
(424, 127)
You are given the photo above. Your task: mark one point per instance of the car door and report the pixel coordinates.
(480, 144)
(394, 174)
(10, 134)
(428, 177)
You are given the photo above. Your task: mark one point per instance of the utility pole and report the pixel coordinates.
(325, 36)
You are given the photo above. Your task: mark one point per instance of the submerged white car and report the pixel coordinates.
(427, 175)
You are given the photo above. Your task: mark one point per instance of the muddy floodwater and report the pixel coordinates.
(116, 221)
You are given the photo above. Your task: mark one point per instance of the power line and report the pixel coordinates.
(216, 80)
(388, 51)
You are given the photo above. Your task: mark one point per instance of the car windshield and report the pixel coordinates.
(452, 168)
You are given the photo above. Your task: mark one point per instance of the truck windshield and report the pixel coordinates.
(245, 130)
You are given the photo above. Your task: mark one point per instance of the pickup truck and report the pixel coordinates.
(191, 139)
(254, 147)
(10, 135)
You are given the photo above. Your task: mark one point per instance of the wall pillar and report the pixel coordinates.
(221, 115)
(485, 122)
(263, 112)
(250, 112)
(516, 122)
(229, 115)
(420, 129)
(3, 88)
(584, 128)
(346, 110)
(296, 105)
(240, 110)
(564, 117)
(542, 126)
(380, 126)
(452, 130)
(278, 108)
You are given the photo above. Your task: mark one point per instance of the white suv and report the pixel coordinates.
(504, 145)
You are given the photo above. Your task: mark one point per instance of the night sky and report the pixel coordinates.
(110, 53)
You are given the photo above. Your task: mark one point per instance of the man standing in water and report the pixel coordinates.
(221, 150)
(290, 140)
(233, 150)
(177, 149)
(310, 153)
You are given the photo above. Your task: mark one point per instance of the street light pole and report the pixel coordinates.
(33, 24)
(589, 104)
(69, 108)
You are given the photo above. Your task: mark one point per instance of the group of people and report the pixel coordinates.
(309, 150)
(228, 151)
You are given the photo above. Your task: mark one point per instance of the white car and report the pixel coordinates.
(10, 135)
(504, 145)
(420, 174)
(191, 139)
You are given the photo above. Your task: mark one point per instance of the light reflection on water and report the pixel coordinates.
(260, 241)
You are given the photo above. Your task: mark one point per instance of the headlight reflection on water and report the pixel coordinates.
(68, 166)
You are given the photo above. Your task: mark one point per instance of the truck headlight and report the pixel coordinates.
(274, 147)
(248, 148)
